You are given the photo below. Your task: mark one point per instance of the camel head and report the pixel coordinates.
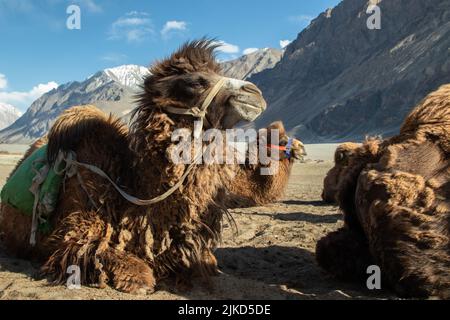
(344, 152)
(185, 80)
(298, 150)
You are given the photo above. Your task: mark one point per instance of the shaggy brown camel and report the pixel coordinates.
(131, 247)
(395, 197)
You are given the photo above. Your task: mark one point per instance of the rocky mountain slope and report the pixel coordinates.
(111, 90)
(8, 114)
(250, 64)
(339, 80)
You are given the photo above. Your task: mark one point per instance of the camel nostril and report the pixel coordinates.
(251, 88)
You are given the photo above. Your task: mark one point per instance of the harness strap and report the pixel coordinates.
(200, 112)
(70, 170)
(139, 202)
(287, 148)
(273, 146)
(35, 189)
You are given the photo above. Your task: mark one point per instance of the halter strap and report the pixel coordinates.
(287, 148)
(273, 146)
(200, 112)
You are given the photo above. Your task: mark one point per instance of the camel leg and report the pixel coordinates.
(82, 240)
(345, 254)
(127, 272)
(15, 229)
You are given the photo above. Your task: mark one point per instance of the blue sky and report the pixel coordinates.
(38, 52)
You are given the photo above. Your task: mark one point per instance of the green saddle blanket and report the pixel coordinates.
(34, 176)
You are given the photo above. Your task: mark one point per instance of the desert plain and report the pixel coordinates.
(269, 255)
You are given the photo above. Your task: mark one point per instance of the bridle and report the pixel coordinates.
(200, 113)
(287, 148)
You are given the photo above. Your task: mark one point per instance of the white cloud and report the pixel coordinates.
(301, 19)
(133, 27)
(250, 50)
(23, 99)
(284, 43)
(3, 81)
(173, 26)
(90, 5)
(225, 47)
(23, 6)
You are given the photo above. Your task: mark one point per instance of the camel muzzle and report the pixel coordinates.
(246, 99)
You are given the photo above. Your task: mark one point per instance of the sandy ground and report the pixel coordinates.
(270, 257)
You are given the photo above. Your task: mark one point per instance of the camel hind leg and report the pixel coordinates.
(82, 240)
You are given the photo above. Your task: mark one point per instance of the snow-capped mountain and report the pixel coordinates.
(253, 63)
(8, 114)
(127, 75)
(111, 90)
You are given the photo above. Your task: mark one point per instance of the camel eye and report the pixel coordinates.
(203, 82)
(188, 88)
(196, 85)
(184, 88)
(199, 83)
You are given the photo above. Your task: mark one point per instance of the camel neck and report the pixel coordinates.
(150, 139)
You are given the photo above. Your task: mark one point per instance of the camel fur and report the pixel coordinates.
(396, 205)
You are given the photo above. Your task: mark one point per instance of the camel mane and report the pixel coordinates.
(194, 56)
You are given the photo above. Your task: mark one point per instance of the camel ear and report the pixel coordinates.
(277, 125)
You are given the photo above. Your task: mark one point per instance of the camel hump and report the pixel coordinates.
(433, 110)
(431, 119)
(84, 126)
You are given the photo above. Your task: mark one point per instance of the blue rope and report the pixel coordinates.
(289, 148)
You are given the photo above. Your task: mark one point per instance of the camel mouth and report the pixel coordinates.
(249, 105)
(300, 157)
(248, 109)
